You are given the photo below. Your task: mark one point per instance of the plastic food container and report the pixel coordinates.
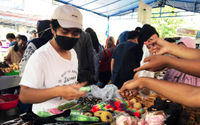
(15, 72)
(8, 101)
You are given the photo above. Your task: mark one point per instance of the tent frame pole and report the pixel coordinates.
(108, 26)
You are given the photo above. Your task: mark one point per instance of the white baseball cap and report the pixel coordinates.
(68, 16)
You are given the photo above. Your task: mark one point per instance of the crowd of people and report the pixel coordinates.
(62, 57)
(16, 49)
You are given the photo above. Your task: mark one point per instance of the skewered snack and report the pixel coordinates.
(66, 106)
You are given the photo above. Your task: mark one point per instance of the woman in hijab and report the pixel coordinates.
(177, 76)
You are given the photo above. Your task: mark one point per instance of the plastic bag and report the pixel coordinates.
(108, 92)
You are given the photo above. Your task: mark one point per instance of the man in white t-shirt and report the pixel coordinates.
(51, 72)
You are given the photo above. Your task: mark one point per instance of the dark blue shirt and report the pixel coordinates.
(126, 56)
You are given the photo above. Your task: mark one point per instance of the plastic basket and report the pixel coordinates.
(8, 101)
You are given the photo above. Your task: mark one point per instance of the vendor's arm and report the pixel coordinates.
(181, 93)
(158, 63)
(32, 95)
(161, 46)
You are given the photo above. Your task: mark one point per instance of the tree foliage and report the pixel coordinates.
(166, 26)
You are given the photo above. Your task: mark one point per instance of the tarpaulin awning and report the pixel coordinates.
(109, 8)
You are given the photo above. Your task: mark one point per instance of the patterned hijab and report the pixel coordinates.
(188, 42)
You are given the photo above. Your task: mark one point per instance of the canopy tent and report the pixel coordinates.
(111, 8)
(105, 8)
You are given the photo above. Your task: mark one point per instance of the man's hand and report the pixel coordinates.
(79, 85)
(70, 92)
(154, 63)
(33, 95)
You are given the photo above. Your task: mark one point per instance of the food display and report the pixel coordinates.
(119, 106)
(9, 69)
(134, 108)
(152, 102)
(194, 115)
(83, 104)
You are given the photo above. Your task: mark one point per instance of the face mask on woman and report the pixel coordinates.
(23, 47)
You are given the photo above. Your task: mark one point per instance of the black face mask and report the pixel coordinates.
(66, 43)
(22, 47)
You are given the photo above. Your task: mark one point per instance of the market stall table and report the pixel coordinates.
(9, 81)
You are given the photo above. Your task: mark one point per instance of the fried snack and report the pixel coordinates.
(194, 114)
(147, 102)
(129, 94)
(145, 91)
(14, 66)
(10, 69)
(6, 70)
(137, 105)
(133, 100)
(133, 97)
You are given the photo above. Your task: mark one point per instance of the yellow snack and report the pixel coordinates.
(98, 113)
(133, 100)
(106, 117)
(137, 105)
(88, 114)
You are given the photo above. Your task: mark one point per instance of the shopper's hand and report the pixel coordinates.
(130, 85)
(129, 94)
(154, 63)
(158, 46)
(70, 92)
